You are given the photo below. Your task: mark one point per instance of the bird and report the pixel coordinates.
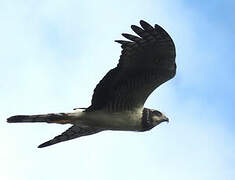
(147, 60)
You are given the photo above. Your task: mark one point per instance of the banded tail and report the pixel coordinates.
(61, 118)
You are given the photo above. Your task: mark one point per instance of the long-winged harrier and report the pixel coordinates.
(146, 62)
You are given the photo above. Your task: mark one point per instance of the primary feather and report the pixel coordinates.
(146, 62)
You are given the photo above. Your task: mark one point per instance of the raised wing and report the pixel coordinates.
(147, 61)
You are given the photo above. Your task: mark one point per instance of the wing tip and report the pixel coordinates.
(45, 144)
(40, 146)
(142, 21)
(145, 25)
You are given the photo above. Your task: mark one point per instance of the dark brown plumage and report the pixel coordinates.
(146, 62)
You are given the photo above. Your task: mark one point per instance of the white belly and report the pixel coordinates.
(128, 120)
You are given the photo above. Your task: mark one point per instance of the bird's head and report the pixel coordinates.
(158, 117)
(152, 118)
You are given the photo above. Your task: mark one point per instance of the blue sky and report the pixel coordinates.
(53, 53)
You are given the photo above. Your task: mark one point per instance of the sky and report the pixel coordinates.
(53, 53)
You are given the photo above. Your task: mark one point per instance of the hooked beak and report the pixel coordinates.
(166, 120)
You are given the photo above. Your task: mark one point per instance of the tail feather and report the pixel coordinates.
(71, 133)
(61, 118)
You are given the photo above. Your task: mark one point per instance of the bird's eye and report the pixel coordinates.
(157, 113)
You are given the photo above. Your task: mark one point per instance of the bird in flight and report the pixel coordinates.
(146, 62)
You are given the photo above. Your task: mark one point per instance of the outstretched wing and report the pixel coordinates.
(147, 61)
(71, 133)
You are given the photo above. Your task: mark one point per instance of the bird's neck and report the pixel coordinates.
(147, 122)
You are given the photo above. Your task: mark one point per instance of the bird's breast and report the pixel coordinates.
(126, 120)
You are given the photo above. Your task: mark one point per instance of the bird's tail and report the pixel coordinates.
(61, 118)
